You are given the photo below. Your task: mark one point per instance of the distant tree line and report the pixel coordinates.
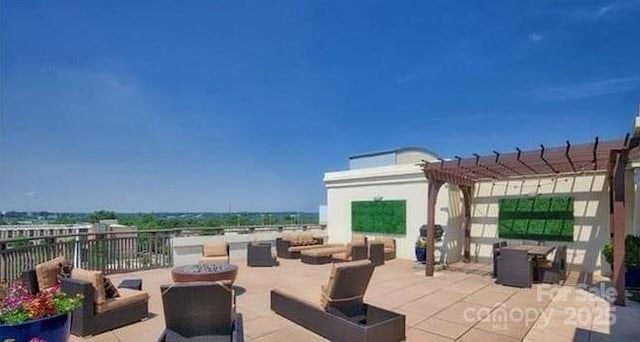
(165, 220)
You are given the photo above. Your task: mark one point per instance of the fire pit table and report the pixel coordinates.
(204, 272)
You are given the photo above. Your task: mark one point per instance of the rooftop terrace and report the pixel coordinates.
(459, 304)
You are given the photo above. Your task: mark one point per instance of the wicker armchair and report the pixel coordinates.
(260, 255)
(554, 271)
(98, 314)
(204, 311)
(515, 268)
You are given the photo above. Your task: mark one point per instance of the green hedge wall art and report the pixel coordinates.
(541, 218)
(388, 217)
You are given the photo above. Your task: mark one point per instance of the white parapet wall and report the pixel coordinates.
(188, 250)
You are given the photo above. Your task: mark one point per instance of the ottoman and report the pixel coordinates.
(319, 256)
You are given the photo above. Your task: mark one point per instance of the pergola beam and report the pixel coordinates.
(611, 156)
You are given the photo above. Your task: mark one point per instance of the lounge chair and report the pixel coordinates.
(290, 245)
(342, 314)
(515, 268)
(202, 311)
(260, 255)
(216, 252)
(98, 313)
(553, 271)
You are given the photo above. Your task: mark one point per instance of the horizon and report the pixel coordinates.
(209, 107)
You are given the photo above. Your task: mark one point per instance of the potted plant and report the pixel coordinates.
(421, 249)
(631, 260)
(40, 317)
(421, 243)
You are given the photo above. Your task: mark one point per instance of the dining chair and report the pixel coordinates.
(515, 268)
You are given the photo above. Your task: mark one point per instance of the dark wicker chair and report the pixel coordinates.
(554, 271)
(515, 268)
(496, 253)
(376, 253)
(31, 281)
(343, 315)
(259, 255)
(87, 321)
(203, 309)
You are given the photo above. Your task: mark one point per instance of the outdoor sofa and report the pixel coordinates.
(260, 255)
(98, 313)
(200, 311)
(215, 252)
(290, 245)
(342, 314)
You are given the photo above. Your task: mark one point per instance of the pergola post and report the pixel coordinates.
(467, 196)
(617, 212)
(432, 197)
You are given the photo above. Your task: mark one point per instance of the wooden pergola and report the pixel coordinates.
(611, 156)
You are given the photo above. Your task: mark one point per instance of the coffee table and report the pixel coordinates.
(204, 272)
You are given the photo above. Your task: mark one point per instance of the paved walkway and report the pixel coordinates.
(452, 306)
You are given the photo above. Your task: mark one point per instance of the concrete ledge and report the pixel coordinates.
(188, 250)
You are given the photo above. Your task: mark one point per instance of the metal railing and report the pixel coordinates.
(112, 252)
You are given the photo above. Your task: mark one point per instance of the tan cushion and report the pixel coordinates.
(127, 297)
(340, 256)
(325, 251)
(388, 250)
(47, 273)
(347, 281)
(215, 260)
(218, 248)
(317, 245)
(96, 280)
(306, 238)
(359, 239)
(289, 237)
(388, 242)
(302, 248)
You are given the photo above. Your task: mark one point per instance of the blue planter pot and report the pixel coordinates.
(54, 328)
(632, 277)
(421, 254)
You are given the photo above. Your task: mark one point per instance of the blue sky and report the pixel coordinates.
(211, 105)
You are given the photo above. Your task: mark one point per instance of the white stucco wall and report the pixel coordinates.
(398, 182)
(591, 212)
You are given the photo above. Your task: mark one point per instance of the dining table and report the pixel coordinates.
(535, 251)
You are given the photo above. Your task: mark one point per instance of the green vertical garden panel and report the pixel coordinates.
(541, 218)
(388, 217)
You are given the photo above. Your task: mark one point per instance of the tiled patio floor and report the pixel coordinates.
(453, 305)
